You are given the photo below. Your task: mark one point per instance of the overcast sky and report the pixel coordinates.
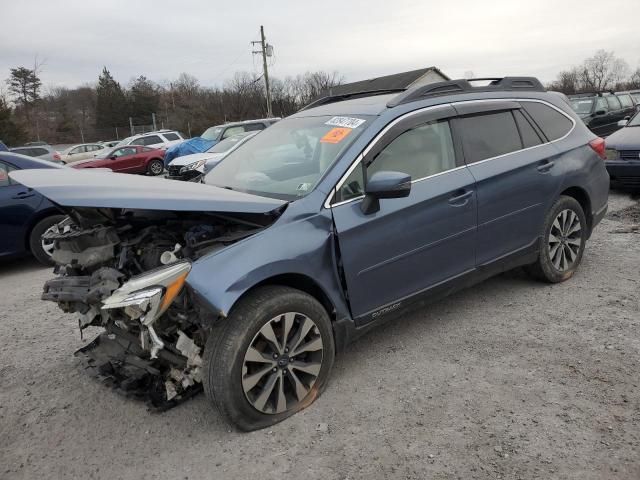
(360, 39)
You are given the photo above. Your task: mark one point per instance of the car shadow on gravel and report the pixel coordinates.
(22, 264)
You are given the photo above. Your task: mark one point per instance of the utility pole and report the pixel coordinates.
(266, 50)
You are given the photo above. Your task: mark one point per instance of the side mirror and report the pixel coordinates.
(384, 184)
(600, 112)
(623, 123)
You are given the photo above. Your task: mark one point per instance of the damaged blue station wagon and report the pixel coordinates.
(327, 223)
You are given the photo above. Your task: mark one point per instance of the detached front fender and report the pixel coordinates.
(300, 247)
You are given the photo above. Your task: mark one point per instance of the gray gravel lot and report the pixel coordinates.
(510, 379)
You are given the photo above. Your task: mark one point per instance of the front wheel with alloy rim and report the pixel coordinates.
(562, 242)
(270, 358)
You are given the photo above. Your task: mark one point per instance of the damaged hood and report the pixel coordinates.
(69, 187)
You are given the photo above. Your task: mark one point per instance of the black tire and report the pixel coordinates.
(229, 341)
(35, 240)
(550, 269)
(155, 167)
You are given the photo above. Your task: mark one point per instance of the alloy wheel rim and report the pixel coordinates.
(565, 240)
(155, 168)
(47, 245)
(282, 363)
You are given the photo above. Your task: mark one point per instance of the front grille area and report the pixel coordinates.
(630, 154)
(174, 171)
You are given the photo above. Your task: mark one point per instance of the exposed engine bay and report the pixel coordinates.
(125, 271)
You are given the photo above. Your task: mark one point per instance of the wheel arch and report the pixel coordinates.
(582, 197)
(300, 282)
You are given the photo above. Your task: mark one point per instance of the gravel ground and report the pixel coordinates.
(510, 379)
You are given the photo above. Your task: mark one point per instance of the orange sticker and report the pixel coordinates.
(335, 135)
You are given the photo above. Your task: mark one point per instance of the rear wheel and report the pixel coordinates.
(155, 167)
(270, 358)
(562, 242)
(41, 248)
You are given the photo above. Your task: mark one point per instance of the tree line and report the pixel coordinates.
(102, 111)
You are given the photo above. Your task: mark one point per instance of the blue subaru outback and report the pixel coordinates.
(326, 224)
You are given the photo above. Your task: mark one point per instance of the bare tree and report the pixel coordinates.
(603, 71)
(568, 82)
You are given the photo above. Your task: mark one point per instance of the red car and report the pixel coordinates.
(129, 159)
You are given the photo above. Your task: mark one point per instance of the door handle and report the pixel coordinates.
(546, 166)
(21, 195)
(460, 197)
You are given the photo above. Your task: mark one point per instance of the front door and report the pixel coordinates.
(17, 204)
(412, 243)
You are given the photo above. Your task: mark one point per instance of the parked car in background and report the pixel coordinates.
(43, 152)
(324, 225)
(601, 112)
(220, 132)
(37, 143)
(213, 135)
(635, 95)
(25, 214)
(131, 159)
(82, 151)
(110, 143)
(623, 154)
(192, 167)
(160, 139)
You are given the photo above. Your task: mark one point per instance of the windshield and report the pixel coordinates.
(105, 153)
(212, 133)
(635, 121)
(227, 143)
(582, 106)
(287, 160)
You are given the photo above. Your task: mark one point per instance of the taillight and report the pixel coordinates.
(56, 156)
(598, 146)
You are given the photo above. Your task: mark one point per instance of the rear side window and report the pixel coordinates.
(489, 135)
(530, 137)
(614, 103)
(626, 101)
(553, 124)
(171, 136)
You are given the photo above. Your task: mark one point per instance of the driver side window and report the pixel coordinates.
(421, 152)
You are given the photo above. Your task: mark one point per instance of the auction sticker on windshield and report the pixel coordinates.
(335, 135)
(348, 122)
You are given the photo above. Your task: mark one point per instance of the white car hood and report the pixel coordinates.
(194, 157)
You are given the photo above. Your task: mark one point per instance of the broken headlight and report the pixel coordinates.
(193, 166)
(148, 296)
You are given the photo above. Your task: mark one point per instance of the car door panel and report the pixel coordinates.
(514, 189)
(410, 244)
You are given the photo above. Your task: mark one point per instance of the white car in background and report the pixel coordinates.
(160, 139)
(81, 152)
(191, 167)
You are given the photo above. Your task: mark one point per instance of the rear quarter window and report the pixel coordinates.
(38, 152)
(553, 124)
(171, 136)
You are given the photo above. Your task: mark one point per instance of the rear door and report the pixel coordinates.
(515, 172)
(616, 113)
(17, 205)
(601, 122)
(411, 244)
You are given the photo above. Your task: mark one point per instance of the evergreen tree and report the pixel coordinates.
(111, 104)
(143, 99)
(11, 133)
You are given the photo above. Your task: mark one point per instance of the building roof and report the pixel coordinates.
(395, 81)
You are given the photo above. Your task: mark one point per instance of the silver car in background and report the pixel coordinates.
(43, 152)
